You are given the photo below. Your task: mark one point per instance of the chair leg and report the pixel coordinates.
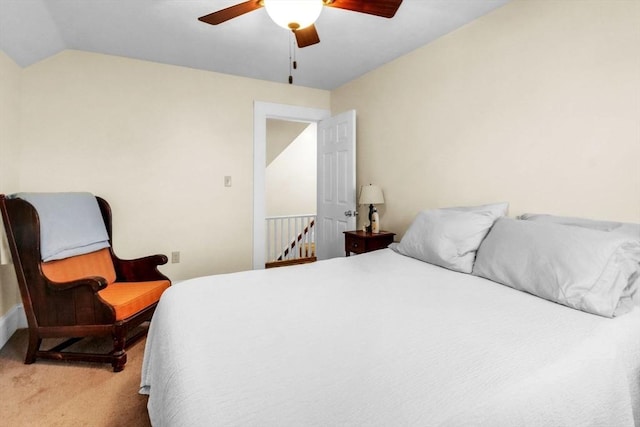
(119, 354)
(119, 362)
(33, 347)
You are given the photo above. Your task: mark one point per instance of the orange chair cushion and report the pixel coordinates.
(128, 298)
(96, 263)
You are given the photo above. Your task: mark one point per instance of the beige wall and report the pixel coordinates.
(10, 84)
(290, 179)
(536, 103)
(281, 133)
(156, 141)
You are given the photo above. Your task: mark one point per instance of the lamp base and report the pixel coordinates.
(369, 227)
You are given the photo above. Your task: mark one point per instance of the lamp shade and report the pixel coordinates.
(371, 195)
(293, 14)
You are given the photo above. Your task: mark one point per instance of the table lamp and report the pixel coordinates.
(370, 195)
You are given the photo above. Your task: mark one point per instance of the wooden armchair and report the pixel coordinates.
(94, 294)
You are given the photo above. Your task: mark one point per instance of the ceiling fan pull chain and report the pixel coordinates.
(295, 63)
(290, 71)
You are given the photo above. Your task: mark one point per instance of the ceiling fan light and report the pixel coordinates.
(293, 14)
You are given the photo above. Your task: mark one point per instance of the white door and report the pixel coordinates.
(336, 183)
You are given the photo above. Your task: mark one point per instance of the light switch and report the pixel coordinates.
(227, 181)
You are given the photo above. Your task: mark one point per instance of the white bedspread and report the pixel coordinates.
(380, 339)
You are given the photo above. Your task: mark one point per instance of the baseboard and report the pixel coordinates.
(13, 320)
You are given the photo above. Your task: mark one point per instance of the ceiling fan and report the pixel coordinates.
(299, 16)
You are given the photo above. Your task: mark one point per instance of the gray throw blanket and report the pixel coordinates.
(70, 224)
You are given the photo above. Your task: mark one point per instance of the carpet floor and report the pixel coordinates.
(51, 393)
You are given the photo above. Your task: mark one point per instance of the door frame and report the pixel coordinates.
(261, 112)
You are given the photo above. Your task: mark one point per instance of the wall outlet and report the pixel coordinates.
(175, 257)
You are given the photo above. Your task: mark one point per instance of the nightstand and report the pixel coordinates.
(360, 242)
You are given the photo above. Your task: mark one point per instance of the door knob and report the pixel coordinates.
(350, 213)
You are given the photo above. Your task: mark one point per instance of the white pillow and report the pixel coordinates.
(578, 267)
(495, 209)
(626, 228)
(630, 295)
(449, 237)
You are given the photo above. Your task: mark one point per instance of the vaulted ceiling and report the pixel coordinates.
(168, 31)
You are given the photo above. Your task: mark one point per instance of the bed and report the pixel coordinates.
(388, 339)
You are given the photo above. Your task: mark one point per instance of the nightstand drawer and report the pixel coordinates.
(355, 245)
(360, 242)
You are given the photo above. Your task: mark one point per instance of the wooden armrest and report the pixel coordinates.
(140, 269)
(152, 260)
(96, 284)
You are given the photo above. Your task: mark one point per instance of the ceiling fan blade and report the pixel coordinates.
(231, 12)
(383, 8)
(307, 36)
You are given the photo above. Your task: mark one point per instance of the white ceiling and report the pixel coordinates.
(168, 31)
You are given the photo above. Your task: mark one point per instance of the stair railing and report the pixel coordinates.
(290, 238)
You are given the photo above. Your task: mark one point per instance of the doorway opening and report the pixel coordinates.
(262, 112)
(291, 192)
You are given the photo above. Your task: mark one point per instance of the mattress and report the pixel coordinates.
(381, 339)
